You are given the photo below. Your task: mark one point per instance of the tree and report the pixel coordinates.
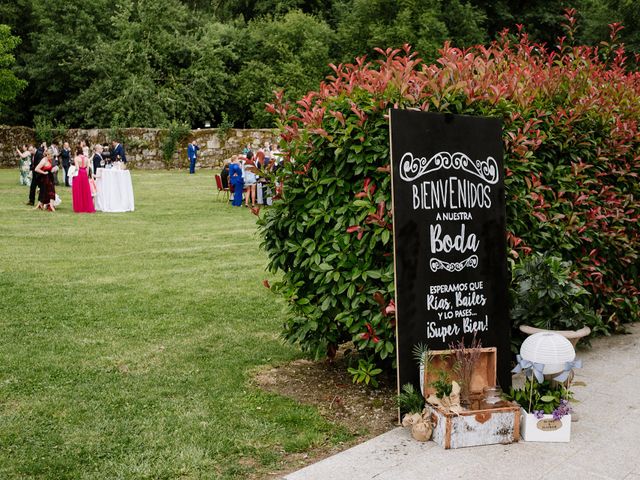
(61, 45)
(425, 24)
(10, 85)
(142, 74)
(595, 16)
(292, 51)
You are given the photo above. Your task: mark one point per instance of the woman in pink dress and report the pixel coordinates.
(80, 188)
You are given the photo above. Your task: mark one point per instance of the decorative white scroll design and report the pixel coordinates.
(436, 264)
(414, 167)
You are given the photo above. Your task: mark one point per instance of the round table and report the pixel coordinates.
(114, 190)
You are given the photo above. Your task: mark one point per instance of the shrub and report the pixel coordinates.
(544, 294)
(571, 153)
(176, 132)
(47, 130)
(224, 127)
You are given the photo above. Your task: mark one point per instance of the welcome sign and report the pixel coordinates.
(449, 236)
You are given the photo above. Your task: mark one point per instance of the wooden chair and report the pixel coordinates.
(221, 189)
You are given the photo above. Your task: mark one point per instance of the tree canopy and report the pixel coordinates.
(98, 63)
(10, 86)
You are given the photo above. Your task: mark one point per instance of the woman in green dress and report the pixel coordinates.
(25, 164)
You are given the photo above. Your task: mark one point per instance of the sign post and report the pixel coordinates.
(449, 236)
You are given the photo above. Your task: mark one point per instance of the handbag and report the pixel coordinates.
(93, 187)
(72, 172)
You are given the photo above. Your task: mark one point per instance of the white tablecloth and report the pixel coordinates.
(115, 191)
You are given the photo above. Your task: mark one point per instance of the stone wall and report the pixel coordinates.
(143, 146)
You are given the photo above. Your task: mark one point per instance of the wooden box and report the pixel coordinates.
(479, 425)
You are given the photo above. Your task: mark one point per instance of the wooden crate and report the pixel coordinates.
(478, 426)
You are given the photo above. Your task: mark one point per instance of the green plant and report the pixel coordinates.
(224, 127)
(136, 143)
(47, 130)
(545, 397)
(410, 400)
(175, 133)
(421, 354)
(442, 385)
(116, 130)
(366, 372)
(546, 293)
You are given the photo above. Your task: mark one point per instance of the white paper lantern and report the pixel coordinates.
(550, 349)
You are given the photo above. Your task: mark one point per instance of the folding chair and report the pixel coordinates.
(221, 189)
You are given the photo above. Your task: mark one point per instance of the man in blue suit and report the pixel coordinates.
(117, 152)
(192, 153)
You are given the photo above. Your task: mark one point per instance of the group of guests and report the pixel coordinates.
(242, 173)
(39, 169)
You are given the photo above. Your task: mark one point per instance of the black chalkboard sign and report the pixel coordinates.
(449, 236)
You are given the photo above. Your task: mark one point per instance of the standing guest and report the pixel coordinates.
(35, 176)
(235, 178)
(117, 152)
(85, 148)
(65, 157)
(192, 153)
(247, 149)
(260, 158)
(224, 174)
(24, 163)
(80, 188)
(250, 180)
(97, 159)
(56, 161)
(276, 158)
(267, 155)
(45, 169)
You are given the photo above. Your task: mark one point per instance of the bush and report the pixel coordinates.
(47, 130)
(571, 149)
(176, 132)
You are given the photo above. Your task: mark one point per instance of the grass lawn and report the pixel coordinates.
(127, 341)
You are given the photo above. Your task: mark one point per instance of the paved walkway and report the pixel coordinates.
(605, 441)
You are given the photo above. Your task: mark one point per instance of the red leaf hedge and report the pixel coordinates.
(572, 158)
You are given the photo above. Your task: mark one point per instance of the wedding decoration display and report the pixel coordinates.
(485, 419)
(547, 360)
(549, 349)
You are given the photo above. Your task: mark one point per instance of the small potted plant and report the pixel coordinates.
(411, 405)
(546, 413)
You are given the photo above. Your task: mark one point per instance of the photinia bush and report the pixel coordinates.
(572, 159)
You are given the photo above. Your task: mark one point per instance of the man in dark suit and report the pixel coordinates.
(192, 153)
(117, 152)
(65, 156)
(35, 160)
